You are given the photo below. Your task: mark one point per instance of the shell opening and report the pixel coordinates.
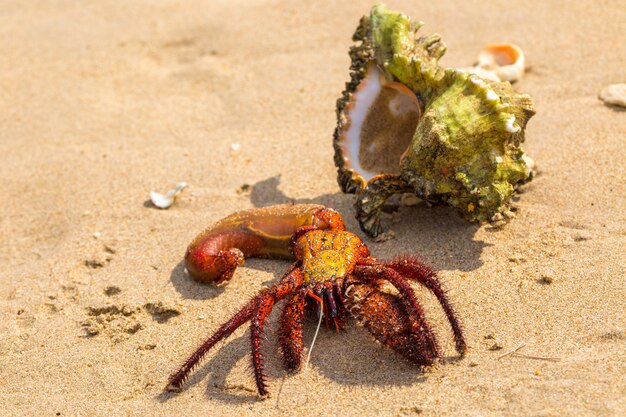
(499, 62)
(505, 61)
(382, 118)
(499, 55)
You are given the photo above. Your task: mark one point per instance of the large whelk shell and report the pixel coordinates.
(406, 124)
(381, 119)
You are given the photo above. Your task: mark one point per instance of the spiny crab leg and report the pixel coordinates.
(256, 310)
(291, 329)
(266, 232)
(414, 269)
(178, 379)
(266, 300)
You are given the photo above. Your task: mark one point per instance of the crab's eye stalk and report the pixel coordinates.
(379, 123)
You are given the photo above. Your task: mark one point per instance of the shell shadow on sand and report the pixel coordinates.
(436, 234)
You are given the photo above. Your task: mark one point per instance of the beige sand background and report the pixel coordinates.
(102, 102)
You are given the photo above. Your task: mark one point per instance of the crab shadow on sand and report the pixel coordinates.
(191, 289)
(351, 357)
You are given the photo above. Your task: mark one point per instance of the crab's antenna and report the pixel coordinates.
(319, 324)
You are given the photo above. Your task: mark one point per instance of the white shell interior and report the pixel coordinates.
(363, 99)
(382, 116)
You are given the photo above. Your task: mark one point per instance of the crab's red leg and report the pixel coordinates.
(178, 379)
(340, 321)
(290, 332)
(263, 232)
(407, 294)
(416, 270)
(292, 280)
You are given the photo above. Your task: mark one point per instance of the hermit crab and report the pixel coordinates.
(407, 125)
(333, 272)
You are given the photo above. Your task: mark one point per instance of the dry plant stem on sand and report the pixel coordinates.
(513, 353)
(333, 273)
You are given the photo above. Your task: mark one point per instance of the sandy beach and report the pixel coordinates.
(102, 102)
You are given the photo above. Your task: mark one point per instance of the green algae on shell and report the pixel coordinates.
(448, 136)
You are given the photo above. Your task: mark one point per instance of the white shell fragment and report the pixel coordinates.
(500, 62)
(164, 201)
(614, 94)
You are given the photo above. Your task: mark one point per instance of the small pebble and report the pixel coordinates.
(614, 94)
(113, 290)
(147, 346)
(509, 215)
(109, 249)
(410, 200)
(385, 236)
(581, 237)
(244, 189)
(547, 279)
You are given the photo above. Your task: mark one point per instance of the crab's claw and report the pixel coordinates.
(385, 317)
(416, 346)
(207, 265)
(264, 232)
